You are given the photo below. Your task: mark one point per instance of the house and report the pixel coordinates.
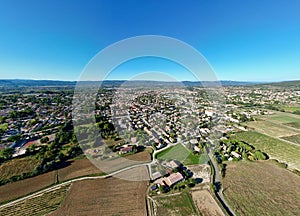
(173, 179)
(196, 148)
(237, 155)
(125, 150)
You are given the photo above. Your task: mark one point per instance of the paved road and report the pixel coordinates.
(217, 181)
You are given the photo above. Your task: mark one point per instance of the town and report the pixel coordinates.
(184, 137)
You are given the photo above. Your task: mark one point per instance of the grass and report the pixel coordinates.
(284, 118)
(180, 204)
(196, 159)
(39, 205)
(261, 188)
(294, 125)
(3, 126)
(16, 167)
(275, 148)
(291, 109)
(272, 129)
(182, 154)
(177, 152)
(294, 139)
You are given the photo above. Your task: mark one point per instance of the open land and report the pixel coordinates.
(143, 156)
(201, 171)
(23, 187)
(77, 168)
(111, 196)
(206, 203)
(261, 188)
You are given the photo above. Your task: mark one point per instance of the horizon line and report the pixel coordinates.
(174, 81)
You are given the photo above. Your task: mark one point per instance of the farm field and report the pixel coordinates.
(182, 154)
(294, 139)
(23, 187)
(284, 117)
(272, 129)
(17, 167)
(179, 204)
(143, 156)
(261, 188)
(275, 148)
(77, 168)
(291, 108)
(111, 196)
(294, 124)
(39, 205)
(206, 203)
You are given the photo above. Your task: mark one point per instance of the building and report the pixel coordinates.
(156, 175)
(125, 150)
(173, 179)
(237, 155)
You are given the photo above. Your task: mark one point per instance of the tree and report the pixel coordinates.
(14, 138)
(44, 139)
(6, 153)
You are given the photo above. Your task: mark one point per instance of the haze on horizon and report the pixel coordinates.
(242, 41)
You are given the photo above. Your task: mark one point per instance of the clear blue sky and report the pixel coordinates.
(255, 40)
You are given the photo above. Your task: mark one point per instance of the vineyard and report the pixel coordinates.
(37, 205)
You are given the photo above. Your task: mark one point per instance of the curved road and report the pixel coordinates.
(54, 187)
(217, 180)
(219, 191)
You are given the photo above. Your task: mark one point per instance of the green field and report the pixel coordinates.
(291, 109)
(39, 205)
(294, 125)
(272, 129)
(284, 118)
(181, 204)
(294, 139)
(275, 148)
(182, 154)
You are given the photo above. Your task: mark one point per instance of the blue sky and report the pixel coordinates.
(255, 40)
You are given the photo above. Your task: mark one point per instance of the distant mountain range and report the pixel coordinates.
(15, 83)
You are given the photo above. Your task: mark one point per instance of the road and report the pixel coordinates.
(54, 187)
(217, 181)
